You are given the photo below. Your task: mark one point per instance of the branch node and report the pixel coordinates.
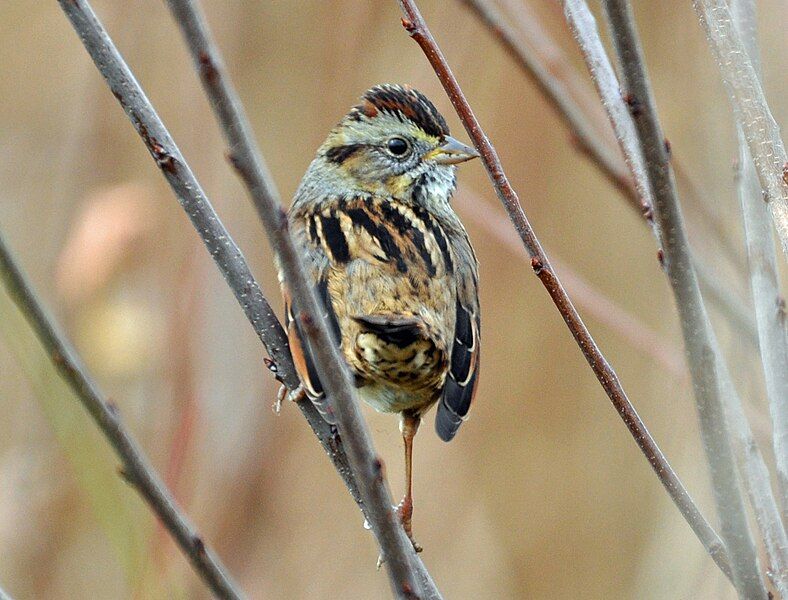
(378, 468)
(199, 544)
(126, 476)
(234, 160)
(536, 265)
(407, 591)
(207, 67)
(634, 105)
(113, 409)
(164, 160)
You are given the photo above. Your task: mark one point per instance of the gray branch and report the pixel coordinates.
(397, 551)
(136, 467)
(703, 353)
(769, 308)
(376, 500)
(769, 304)
(227, 255)
(750, 108)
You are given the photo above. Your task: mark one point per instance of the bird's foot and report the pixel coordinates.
(296, 395)
(404, 511)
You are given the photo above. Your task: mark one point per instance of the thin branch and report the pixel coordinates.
(396, 549)
(417, 28)
(769, 304)
(560, 89)
(231, 263)
(136, 467)
(750, 108)
(769, 312)
(757, 483)
(703, 355)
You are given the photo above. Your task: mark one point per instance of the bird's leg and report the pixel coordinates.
(409, 425)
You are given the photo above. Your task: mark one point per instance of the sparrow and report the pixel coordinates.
(392, 264)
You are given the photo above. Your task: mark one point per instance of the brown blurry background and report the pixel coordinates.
(542, 495)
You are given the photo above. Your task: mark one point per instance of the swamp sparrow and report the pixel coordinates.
(392, 264)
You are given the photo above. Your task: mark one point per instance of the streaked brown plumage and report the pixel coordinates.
(392, 263)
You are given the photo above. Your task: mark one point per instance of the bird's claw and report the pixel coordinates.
(294, 396)
(404, 511)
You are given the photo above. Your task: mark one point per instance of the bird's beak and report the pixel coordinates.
(452, 152)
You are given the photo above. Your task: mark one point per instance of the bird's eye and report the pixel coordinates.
(398, 146)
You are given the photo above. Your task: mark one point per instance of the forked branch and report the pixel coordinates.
(418, 30)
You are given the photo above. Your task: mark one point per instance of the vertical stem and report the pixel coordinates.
(699, 338)
(750, 108)
(769, 304)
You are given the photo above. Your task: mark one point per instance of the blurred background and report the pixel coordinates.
(543, 494)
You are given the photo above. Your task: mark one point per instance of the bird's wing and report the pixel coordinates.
(317, 261)
(463, 375)
(302, 354)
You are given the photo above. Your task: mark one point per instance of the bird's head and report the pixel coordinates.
(396, 144)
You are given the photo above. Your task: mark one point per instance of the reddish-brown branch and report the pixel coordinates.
(418, 30)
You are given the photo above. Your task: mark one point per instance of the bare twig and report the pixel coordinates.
(560, 90)
(396, 549)
(769, 304)
(136, 467)
(417, 28)
(232, 265)
(751, 109)
(703, 354)
(757, 483)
